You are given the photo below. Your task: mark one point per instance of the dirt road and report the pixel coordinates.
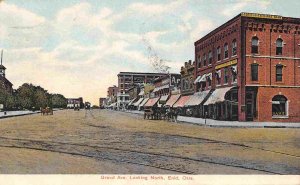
(106, 142)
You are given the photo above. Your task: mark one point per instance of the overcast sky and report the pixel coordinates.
(77, 48)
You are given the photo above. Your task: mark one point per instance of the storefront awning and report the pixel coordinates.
(163, 99)
(141, 93)
(143, 102)
(131, 101)
(217, 96)
(151, 102)
(138, 102)
(172, 100)
(197, 98)
(181, 101)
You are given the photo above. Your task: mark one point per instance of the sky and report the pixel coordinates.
(77, 48)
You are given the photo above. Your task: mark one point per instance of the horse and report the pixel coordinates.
(46, 111)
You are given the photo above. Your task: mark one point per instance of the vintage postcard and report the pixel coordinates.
(150, 91)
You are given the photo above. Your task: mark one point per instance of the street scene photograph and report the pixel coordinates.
(150, 90)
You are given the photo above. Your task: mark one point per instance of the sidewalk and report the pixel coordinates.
(218, 123)
(19, 113)
(16, 113)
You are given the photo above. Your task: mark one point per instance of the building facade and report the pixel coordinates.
(102, 102)
(75, 103)
(127, 80)
(251, 65)
(112, 93)
(187, 78)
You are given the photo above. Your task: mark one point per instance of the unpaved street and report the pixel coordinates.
(106, 142)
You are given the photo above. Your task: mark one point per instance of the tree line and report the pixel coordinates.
(31, 97)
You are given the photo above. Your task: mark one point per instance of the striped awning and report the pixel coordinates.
(172, 100)
(138, 102)
(163, 99)
(197, 98)
(181, 101)
(131, 101)
(217, 96)
(151, 102)
(143, 102)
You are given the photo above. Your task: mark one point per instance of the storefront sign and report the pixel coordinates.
(262, 16)
(231, 62)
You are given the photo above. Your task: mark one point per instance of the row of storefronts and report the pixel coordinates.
(215, 104)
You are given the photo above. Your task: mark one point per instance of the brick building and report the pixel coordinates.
(75, 103)
(251, 66)
(130, 79)
(187, 78)
(112, 94)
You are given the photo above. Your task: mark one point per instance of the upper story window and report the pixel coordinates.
(210, 57)
(254, 45)
(199, 61)
(226, 75)
(279, 72)
(226, 50)
(204, 60)
(279, 45)
(218, 77)
(254, 72)
(234, 52)
(219, 53)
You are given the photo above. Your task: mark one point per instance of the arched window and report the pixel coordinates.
(254, 72)
(254, 45)
(234, 52)
(279, 68)
(210, 57)
(226, 50)
(219, 53)
(279, 45)
(279, 106)
(199, 61)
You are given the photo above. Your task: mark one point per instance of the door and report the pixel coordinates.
(249, 106)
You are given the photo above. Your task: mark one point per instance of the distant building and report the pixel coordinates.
(5, 83)
(102, 102)
(112, 93)
(127, 80)
(75, 103)
(187, 78)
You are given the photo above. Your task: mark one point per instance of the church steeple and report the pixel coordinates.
(2, 68)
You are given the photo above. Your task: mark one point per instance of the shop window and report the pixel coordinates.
(226, 75)
(279, 68)
(219, 53)
(279, 45)
(210, 57)
(279, 106)
(254, 45)
(226, 50)
(204, 60)
(254, 72)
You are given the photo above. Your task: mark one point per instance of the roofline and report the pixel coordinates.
(286, 19)
(141, 73)
(217, 29)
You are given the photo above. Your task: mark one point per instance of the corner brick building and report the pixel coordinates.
(251, 66)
